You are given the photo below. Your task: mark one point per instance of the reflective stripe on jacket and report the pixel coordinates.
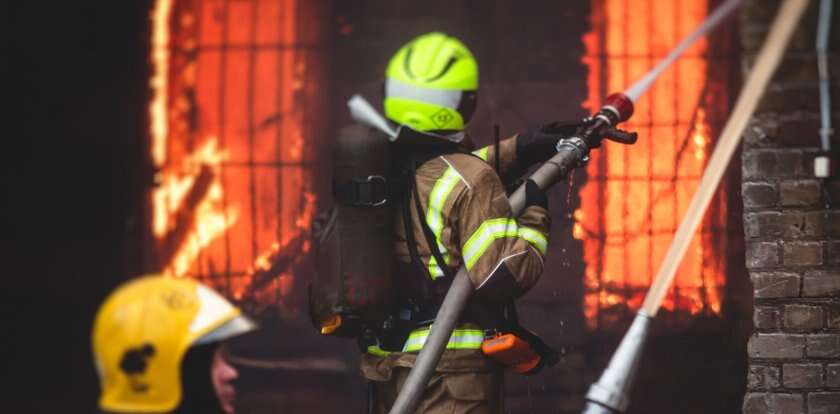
(462, 338)
(466, 208)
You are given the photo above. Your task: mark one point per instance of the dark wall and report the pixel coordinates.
(71, 188)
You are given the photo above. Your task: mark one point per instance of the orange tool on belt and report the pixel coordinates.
(511, 351)
(518, 348)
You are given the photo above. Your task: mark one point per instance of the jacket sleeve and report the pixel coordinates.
(503, 255)
(520, 152)
(507, 156)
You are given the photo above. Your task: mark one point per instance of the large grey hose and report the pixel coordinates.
(569, 155)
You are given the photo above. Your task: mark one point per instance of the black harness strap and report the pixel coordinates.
(409, 231)
(431, 240)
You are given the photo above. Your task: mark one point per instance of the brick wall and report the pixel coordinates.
(792, 230)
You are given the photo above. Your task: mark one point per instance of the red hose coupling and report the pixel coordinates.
(621, 105)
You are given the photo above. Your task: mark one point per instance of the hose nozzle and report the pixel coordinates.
(620, 105)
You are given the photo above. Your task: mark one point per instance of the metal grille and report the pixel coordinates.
(241, 81)
(635, 196)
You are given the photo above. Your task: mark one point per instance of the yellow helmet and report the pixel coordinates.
(431, 84)
(142, 332)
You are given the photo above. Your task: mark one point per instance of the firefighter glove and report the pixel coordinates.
(534, 195)
(539, 144)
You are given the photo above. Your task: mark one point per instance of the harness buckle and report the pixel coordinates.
(370, 191)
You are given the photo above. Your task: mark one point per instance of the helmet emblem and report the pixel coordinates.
(442, 117)
(134, 364)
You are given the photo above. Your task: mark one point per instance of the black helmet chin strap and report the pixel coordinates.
(467, 105)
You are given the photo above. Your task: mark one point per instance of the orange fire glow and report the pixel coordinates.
(264, 262)
(210, 218)
(158, 84)
(233, 137)
(636, 195)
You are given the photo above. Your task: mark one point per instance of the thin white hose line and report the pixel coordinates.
(638, 89)
(823, 30)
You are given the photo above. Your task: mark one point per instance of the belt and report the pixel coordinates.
(464, 338)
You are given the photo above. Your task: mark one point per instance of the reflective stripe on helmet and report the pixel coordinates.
(424, 116)
(497, 228)
(447, 98)
(460, 339)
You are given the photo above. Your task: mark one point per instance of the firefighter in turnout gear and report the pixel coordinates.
(155, 340)
(454, 211)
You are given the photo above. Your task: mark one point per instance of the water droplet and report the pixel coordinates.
(571, 187)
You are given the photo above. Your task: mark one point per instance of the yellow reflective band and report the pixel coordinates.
(486, 233)
(434, 217)
(482, 153)
(537, 239)
(460, 339)
(375, 350)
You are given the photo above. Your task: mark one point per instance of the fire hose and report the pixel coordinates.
(611, 393)
(570, 153)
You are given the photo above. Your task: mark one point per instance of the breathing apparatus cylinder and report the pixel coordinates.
(352, 288)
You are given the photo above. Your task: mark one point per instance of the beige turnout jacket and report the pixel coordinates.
(465, 206)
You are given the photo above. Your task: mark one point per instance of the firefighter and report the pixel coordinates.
(454, 212)
(156, 347)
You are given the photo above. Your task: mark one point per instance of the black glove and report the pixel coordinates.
(534, 195)
(539, 144)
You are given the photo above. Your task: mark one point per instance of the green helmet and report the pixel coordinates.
(431, 84)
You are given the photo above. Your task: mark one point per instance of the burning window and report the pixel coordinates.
(636, 195)
(234, 132)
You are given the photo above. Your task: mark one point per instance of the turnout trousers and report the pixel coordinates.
(447, 392)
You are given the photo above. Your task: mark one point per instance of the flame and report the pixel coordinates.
(210, 218)
(635, 196)
(303, 224)
(158, 82)
(230, 136)
(174, 183)
(700, 136)
(210, 223)
(577, 227)
(263, 263)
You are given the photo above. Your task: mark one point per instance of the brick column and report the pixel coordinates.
(792, 227)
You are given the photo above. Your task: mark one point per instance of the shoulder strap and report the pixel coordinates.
(409, 234)
(411, 182)
(427, 232)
